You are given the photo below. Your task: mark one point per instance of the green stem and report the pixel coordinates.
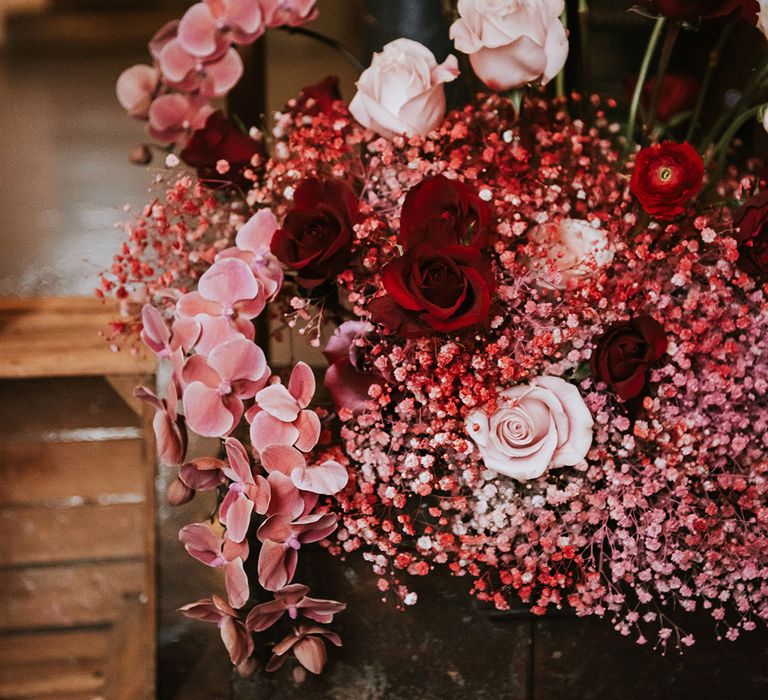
(584, 33)
(328, 41)
(649, 51)
(714, 60)
(560, 77)
(721, 149)
(731, 114)
(666, 53)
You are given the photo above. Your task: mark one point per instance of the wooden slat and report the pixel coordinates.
(53, 664)
(68, 595)
(50, 409)
(73, 472)
(62, 336)
(54, 535)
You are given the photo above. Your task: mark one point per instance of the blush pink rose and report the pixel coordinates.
(536, 426)
(572, 249)
(402, 91)
(511, 43)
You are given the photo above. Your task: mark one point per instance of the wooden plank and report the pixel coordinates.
(63, 336)
(68, 595)
(131, 670)
(43, 534)
(65, 664)
(53, 409)
(72, 472)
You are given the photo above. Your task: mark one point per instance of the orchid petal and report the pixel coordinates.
(205, 412)
(302, 384)
(236, 582)
(276, 400)
(325, 479)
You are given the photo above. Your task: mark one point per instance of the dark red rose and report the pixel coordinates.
(434, 289)
(677, 94)
(221, 140)
(752, 223)
(625, 353)
(666, 177)
(316, 237)
(439, 211)
(707, 9)
(320, 97)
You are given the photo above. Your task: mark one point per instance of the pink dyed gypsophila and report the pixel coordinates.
(659, 499)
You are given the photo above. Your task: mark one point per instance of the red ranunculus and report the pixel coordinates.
(752, 235)
(666, 177)
(434, 289)
(677, 94)
(625, 353)
(707, 9)
(221, 140)
(439, 212)
(320, 97)
(316, 237)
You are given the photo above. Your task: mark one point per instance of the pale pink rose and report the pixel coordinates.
(573, 249)
(402, 91)
(536, 426)
(762, 17)
(511, 43)
(136, 88)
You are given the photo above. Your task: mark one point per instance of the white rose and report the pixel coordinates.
(536, 426)
(402, 90)
(511, 43)
(573, 247)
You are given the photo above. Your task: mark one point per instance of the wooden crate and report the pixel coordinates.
(77, 562)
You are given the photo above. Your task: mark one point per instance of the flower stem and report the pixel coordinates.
(721, 148)
(714, 59)
(328, 41)
(666, 53)
(634, 106)
(560, 78)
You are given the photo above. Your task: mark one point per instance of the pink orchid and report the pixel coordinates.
(306, 644)
(292, 599)
(217, 385)
(291, 13)
(247, 493)
(325, 479)
(162, 341)
(210, 77)
(237, 639)
(170, 433)
(136, 88)
(219, 553)
(252, 247)
(173, 117)
(281, 540)
(206, 25)
(228, 296)
(203, 474)
(279, 416)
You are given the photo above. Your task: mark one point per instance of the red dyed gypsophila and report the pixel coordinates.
(666, 177)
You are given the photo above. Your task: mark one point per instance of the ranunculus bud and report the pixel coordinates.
(666, 177)
(625, 354)
(402, 90)
(511, 43)
(536, 426)
(752, 234)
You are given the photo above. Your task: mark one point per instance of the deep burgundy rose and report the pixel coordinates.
(221, 140)
(625, 353)
(316, 237)
(707, 9)
(434, 289)
(752, 235)
(666, 177)
(320, 97)
(439, 211)
(677, 94)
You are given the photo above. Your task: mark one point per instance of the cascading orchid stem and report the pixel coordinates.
(328, 41)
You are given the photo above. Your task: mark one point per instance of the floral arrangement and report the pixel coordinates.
(549, 329)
